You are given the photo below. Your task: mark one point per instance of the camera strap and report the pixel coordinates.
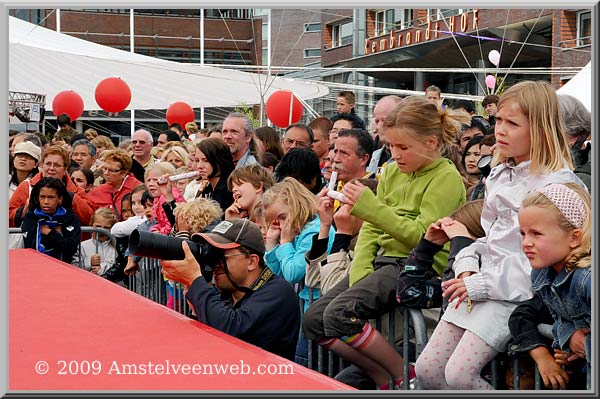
(264, 277)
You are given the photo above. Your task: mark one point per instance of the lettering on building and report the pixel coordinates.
(467, 21)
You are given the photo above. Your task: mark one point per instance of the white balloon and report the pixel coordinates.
(494, 57)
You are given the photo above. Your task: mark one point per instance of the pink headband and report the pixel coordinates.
(568, 202)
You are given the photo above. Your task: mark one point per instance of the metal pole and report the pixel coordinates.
(58, 20)
(202, 60)
(262, 100)
(132, 50)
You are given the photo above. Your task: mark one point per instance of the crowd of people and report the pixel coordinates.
(482, 221)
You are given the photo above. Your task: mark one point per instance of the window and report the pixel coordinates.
(403, 18)
(436, 14)
(341, 34)
(35, 16)
(265, 31)
(584, 28)
(312, 52)
(265, 56)
(384, 22)
(261, 11)
(312, 27)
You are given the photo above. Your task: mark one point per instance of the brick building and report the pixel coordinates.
(450, 38)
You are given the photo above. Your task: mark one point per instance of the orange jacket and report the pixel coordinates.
(82, 206)
(104, 195)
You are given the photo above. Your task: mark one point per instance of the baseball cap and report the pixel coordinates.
(236, 232)
(27, 147)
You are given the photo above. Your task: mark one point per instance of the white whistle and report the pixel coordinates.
(332, 180)
(187, 175)
(336, 195)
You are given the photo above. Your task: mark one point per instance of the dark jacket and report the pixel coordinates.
(220, 193)
(268, 318)
(523, 324)
(583, 165)
(61, 246)
(568, 297)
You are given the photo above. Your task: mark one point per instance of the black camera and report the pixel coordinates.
(485, 165)
(160, 246)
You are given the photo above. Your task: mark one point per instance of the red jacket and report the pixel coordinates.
(82, 206)
(104, 195)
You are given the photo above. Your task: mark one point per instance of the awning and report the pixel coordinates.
(445, 53)
(47, 62)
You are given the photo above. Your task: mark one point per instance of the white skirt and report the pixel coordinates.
(488, 320)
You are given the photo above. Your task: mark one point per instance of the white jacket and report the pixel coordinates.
(504, 271)
(106, 251)
(126, 227)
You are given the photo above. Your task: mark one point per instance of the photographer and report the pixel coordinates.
(249, 301)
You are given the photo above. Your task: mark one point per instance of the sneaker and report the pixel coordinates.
(412, 378)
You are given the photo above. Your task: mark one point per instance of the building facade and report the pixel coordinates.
(450, 39)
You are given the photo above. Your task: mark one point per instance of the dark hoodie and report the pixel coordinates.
(61, 246)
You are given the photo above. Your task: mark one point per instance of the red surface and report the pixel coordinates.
(61, 313)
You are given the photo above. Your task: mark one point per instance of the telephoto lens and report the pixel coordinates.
(160, 246)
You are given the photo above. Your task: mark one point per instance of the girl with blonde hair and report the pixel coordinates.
(416, 189)
(291, 212)
(493, 274)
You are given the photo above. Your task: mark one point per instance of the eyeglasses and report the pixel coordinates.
(107, 170)
(299, 143)
(53, 165)
(134, 142)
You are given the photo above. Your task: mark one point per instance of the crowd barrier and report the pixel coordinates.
(150, 283)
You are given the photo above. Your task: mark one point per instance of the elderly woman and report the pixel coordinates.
(119, 181)
(578, 124)
(55, 162)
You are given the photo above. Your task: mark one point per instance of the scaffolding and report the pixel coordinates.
(27, 107)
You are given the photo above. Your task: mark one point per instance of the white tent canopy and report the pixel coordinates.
(580, 86)
(47, 62)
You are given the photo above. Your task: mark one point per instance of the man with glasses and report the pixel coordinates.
(297, 136)
(249, 301)
(141, 145)
(237, 134)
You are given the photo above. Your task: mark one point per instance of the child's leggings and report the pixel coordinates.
(453, 359)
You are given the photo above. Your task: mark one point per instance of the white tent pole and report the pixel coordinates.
(291, 108)
(132, 50)
(58, 20)
(262, 100)
(202, 60)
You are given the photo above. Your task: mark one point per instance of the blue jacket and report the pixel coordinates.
(288, 260)
(568, 297)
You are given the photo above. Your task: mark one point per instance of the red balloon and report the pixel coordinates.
(278, 108)
(181, 113)
(68, 102)
(113, 95)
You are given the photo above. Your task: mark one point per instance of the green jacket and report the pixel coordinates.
(405, 205)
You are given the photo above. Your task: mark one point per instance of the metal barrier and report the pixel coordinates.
(84, 230)
(412, 318)
(150, 283)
